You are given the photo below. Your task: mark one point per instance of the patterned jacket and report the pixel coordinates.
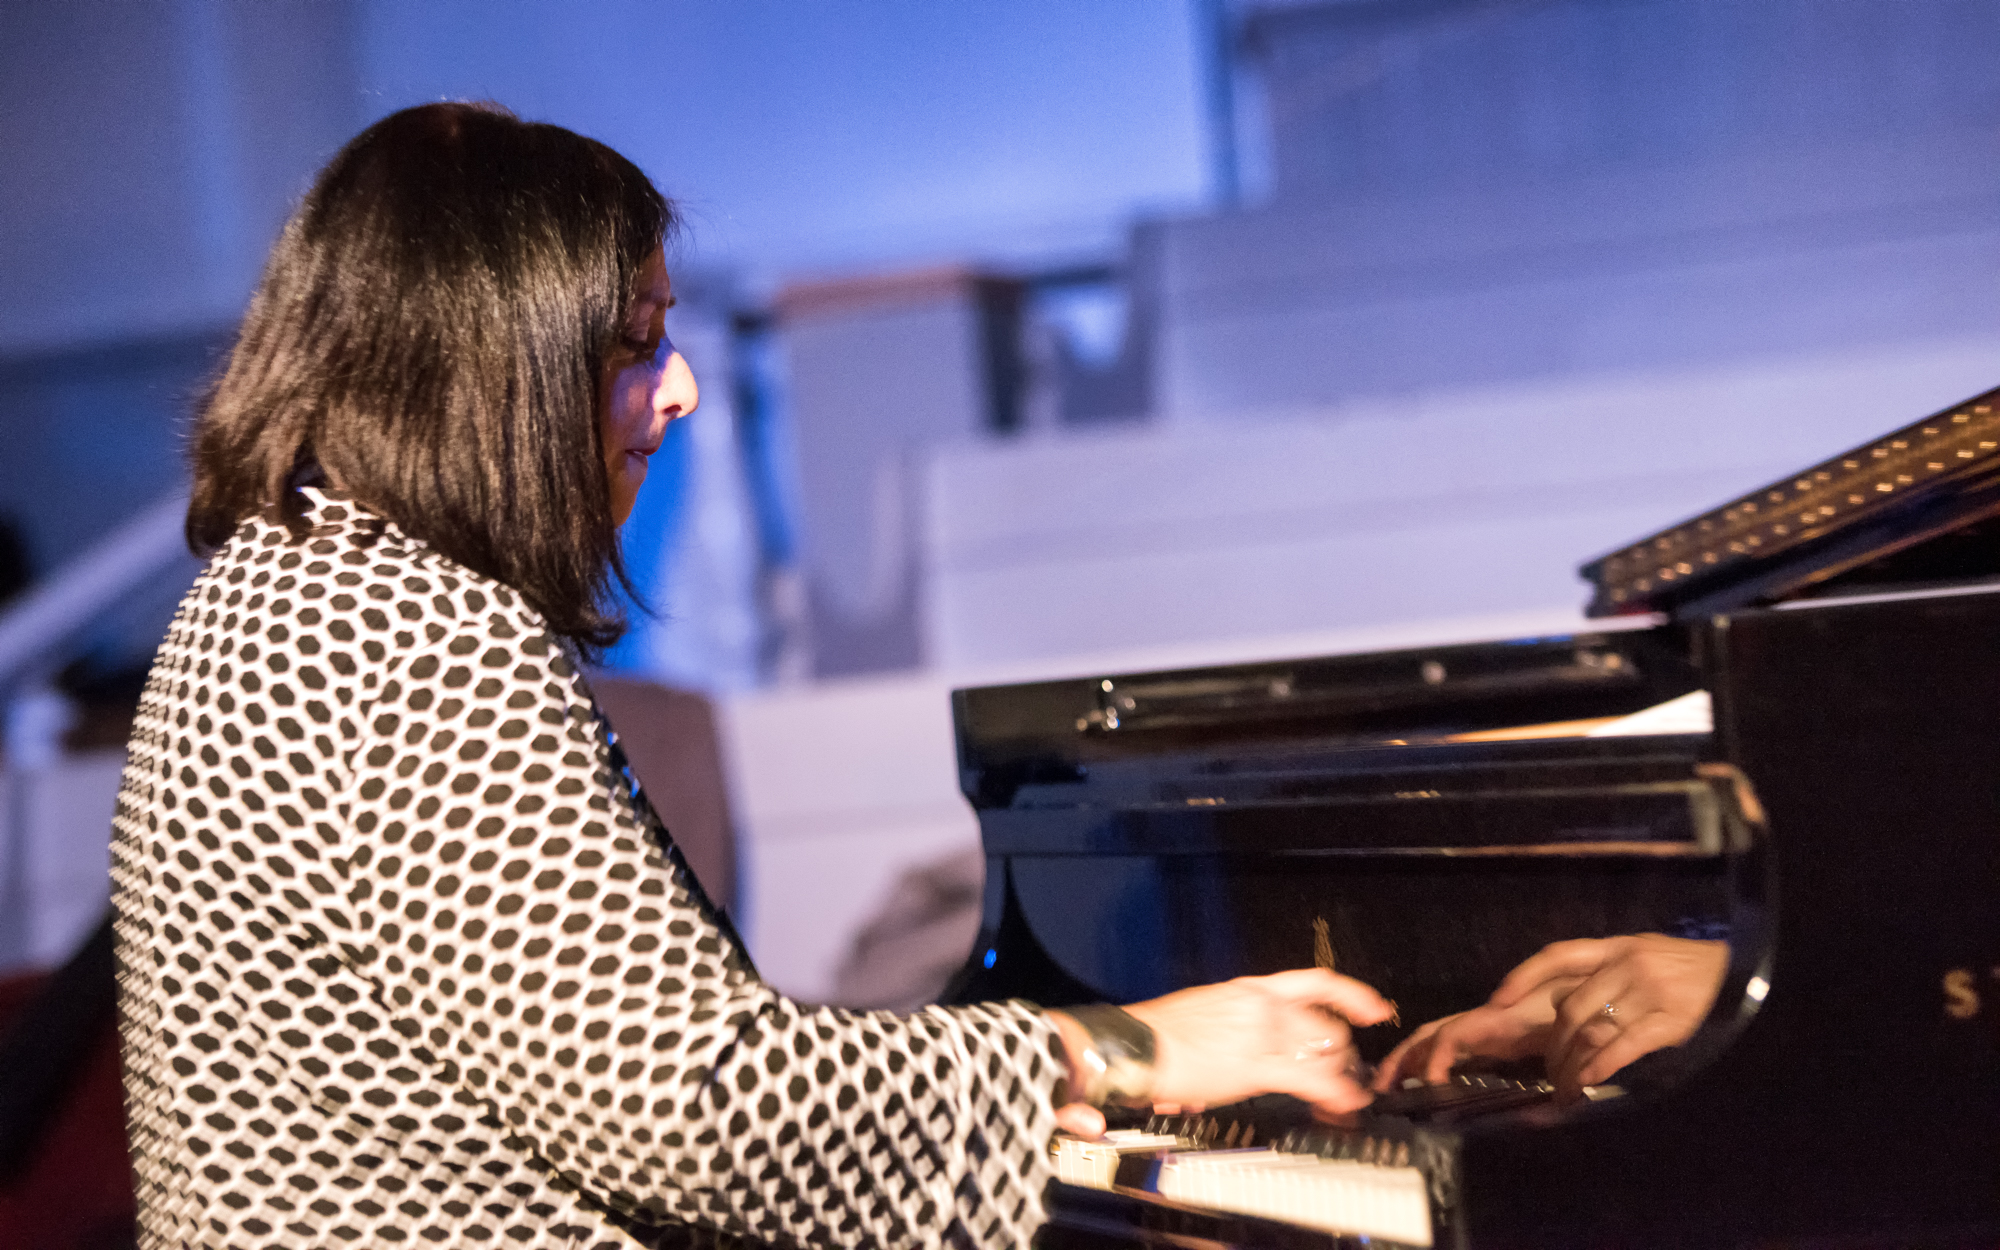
(404, 958)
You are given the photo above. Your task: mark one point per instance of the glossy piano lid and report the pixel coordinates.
(1046, 731)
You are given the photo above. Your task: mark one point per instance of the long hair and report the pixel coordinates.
(429, 333)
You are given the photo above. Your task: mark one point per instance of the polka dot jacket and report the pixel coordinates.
(405, 959)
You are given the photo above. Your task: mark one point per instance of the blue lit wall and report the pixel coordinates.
(152, 150)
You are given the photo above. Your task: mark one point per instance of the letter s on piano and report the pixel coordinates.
(1962, 997)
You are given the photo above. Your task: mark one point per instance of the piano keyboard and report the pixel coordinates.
(1094, 1164)
(1373, 1182)
(1345, 1197)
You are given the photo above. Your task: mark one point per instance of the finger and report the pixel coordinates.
(1594, 1036)
(1585, 1004)
(1353, 1066)
(1582, 1013)
(1080, 1119)
(1338, 1053)
(1593, 1031)
(1316, 1030)
(1559, 989)
(1643, 1038)
(1446, 1054)
(1464, 1036)
(1587, 1065)
(1410, 1053)
(1344, 996)
(1328, 1091)
(1579, 957)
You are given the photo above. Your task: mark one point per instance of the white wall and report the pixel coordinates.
(835, 790)
(1431, 506)
(150, 154)
(152, 149)
(847, 136)
(59, 818)
(1606, 269)
(879, 373)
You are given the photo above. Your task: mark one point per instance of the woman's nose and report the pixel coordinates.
(676, 395)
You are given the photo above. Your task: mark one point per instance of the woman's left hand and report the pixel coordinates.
(1281, 1034)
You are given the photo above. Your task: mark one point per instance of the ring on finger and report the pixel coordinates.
(1609, 1011)
(1318, 1048)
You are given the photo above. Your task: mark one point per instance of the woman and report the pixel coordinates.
(403, 958)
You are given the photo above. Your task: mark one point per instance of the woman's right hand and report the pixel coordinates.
(1287, 1033)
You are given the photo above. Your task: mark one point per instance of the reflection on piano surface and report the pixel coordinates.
(1839, 827)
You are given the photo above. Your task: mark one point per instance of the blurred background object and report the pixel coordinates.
(917, 940)
(1035, 338)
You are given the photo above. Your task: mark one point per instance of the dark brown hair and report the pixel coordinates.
(430, 332)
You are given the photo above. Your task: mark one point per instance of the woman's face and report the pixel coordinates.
(646, 384)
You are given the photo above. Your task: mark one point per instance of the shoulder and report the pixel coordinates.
(356, 575)
(356, 604)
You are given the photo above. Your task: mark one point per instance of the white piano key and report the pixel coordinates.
(1335, 1195)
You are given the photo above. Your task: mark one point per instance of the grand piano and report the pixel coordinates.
(1425, 819)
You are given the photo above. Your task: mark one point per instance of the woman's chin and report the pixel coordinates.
(623, 496)
(625, 485)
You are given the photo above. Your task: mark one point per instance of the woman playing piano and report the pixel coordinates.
(403, 957)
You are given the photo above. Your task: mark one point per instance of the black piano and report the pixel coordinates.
(1424, 820)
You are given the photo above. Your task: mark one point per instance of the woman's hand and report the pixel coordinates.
(1504, 1034)
(1281, 1034)
(1658, 990)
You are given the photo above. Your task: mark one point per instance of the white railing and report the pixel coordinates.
(55, 812)
(62, 605)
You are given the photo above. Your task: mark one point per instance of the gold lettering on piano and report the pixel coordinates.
(1961, 994)
(1966, 998)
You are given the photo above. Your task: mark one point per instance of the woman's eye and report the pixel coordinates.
(644, 349)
